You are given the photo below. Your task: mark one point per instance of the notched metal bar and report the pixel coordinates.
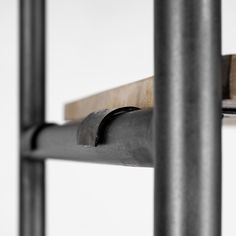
(29, 137)
(92, 128)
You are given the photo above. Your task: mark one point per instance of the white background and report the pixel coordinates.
(93, 45)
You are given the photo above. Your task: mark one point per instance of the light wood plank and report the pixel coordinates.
(140, 94)
(232, 78)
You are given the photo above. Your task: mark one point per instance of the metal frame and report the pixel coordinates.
(188, 117)
(187, 121)
(32, 114)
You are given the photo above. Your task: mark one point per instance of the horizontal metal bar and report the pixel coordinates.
(127, 141)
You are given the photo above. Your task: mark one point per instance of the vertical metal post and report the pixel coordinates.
(32, 113)
(187, 117)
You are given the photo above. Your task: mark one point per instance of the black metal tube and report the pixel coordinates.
(188, 118)
(32, 113)
(127, 141)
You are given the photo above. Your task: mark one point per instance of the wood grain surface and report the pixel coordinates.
(140, 94)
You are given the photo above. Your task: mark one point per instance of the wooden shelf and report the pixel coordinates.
(140, 94)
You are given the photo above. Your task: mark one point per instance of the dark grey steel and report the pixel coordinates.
(32, 113)
(188, 118)
(92, 128)
(187, 121)
(126, 140)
